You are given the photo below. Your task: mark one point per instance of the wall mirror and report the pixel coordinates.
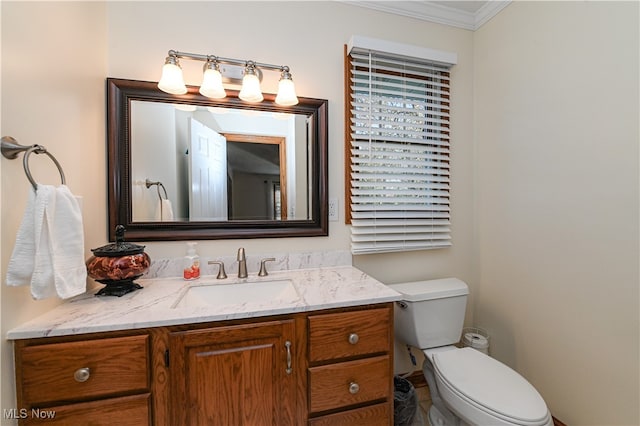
(183, 167)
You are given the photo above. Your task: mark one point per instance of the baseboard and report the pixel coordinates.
(417, 380)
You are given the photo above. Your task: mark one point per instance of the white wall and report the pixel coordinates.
(556, 129)
(53, 94)
(153, 157)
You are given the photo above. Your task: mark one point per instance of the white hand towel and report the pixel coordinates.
(42, 285)
(67, 244)
(49, 250)
(164, 211)
(20, 267)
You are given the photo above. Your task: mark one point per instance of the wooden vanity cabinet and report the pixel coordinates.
(323, 368)
(102, 380)
(234, 375)
(351, 367)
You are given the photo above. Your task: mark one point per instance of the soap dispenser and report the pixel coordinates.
(191, 263)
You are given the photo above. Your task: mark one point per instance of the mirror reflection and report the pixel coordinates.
(187, 167)
(208, 164)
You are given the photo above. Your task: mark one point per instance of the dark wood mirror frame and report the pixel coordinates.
(119, 95)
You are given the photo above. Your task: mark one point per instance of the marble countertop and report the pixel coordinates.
(153, 306)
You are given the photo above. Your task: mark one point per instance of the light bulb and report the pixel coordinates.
(286, 91)
(212, 82)
(250, 91)
(171, 80)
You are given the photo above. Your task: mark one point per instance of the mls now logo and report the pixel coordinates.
(23, 413)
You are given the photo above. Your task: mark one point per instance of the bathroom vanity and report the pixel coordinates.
(324, 357)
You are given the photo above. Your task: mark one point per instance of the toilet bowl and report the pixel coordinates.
(482, 391)
(467, 387)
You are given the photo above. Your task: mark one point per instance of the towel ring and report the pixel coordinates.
(148, 183)
(11, 148)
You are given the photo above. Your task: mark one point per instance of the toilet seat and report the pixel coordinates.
(478, 385)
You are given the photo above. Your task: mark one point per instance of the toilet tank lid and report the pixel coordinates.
(417, 291)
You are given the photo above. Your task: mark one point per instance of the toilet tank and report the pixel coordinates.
(431, 312)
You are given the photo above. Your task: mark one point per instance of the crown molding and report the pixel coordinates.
(488, 11)
(438, 13)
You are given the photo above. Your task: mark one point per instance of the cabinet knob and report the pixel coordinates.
(354, 388)
(82, 374)
(353, 338)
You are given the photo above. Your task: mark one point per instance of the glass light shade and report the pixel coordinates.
(286, 92)
(250, 91)
(171, 80)
(212, 84)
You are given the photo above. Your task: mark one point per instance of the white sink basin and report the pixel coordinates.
(239, 293)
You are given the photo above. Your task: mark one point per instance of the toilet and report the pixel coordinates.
(467, 387)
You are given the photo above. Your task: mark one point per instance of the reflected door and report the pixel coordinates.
(207, 173)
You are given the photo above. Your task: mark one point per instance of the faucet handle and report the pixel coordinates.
(221, 273)
(263, 269)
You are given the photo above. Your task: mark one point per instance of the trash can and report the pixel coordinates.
(405, 402)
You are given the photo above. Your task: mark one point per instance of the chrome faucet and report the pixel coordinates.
(242, 264)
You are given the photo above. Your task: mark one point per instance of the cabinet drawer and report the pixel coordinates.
(348, 334)
(129, 410)
(375, 415)
(348, 383)
(55, 372)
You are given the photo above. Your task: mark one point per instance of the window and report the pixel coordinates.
(398, 146)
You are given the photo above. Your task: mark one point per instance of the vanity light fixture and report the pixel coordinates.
(251, 91)
(172, 80)
(212, 80)
(286, 89)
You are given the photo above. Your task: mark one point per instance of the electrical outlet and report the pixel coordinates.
(333, 209)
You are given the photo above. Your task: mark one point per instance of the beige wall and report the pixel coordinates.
(82, 43)
(303, 39)
(63, 108)
(139, 42)
(556, 133)
(53, 68)
(3, 357)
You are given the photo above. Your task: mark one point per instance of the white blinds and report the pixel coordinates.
(399, 192)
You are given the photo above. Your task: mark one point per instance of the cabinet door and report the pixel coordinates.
(234, 375)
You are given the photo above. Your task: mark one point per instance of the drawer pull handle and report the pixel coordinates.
(82, 374)
(354, 388)
(353, 338)
(287, 345)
